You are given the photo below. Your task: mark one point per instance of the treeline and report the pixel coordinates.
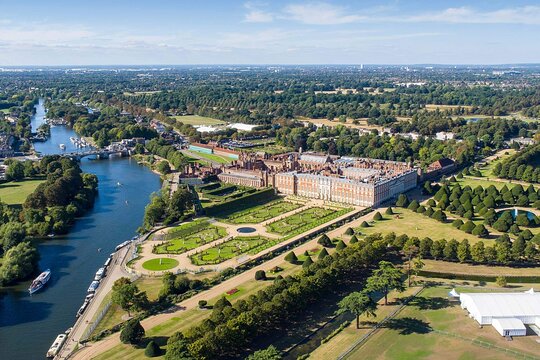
(231, 329)
(163, 149)
(51, 208)
(523, 165)
(163, 209)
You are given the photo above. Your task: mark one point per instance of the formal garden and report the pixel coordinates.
(258, 214)
(160, 264)
(189, 236)
(232, 248)
(304, 220)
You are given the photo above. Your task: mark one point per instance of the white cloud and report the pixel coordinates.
(519, 15)
(257, 16)
(320, 14)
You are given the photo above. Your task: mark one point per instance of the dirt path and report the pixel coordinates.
(100, 347)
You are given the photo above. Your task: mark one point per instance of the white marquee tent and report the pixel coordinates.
(507, 312)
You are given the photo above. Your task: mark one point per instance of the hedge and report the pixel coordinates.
(256, 198)
(473, 277)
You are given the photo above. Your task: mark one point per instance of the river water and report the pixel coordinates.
(29, 324)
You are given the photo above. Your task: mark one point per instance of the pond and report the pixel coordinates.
(246, 230)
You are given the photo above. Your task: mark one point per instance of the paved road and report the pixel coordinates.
(114, 272)
(95, 349)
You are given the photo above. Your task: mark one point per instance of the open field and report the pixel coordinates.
(362, 123)
(160, 264)
(431, 326)
(15, 193)
(184, 239)
(418, 225)
(211, 157)
(293, 222)
(198, 120)
(236, 246)
(261, 213)
(458, 268)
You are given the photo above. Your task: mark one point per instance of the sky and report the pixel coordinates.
(135, 32)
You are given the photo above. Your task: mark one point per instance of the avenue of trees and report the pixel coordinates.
(523, 165)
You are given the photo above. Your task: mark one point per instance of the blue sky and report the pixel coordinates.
(61, 32)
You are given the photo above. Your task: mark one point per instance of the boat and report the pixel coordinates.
(89, 297)
(51, 235)
(62, 146)
(99, 274)
(40, 281)
(82, 308)
(93, 286)
(72, 139)
(118, 183)
(57, 344)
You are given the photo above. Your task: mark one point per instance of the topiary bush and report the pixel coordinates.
(132, 333)
(291, 257)
(377, 216)
(340, 245)
(152, 349)
(260, 275)
(389, 211)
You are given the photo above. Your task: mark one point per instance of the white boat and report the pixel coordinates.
(56, 346)
(62, 146)
(82, 308)
(99, 274)
(93, 286)
(89, 297)
(40, 281)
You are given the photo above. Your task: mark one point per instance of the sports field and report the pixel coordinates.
(15, 193)
(198, 120)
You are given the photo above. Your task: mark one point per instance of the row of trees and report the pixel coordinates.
(231, 328)
(523, 165)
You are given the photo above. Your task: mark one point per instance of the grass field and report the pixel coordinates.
(431, 327)
(418, 225)
(261, 213)
(458, 268)
(185, 237)
(160, 264)
(211, 157)
(231, 248)
(296, 221)
(15, 193)
(198, 120)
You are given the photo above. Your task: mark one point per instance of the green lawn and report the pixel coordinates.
(198, 120)
(306, 217)
(5, 111)
(231, 248)
(417, 333)
(261, 213)
(418, 225)
(15, 193)
(189, 236)
(211, 157)
(160, 264)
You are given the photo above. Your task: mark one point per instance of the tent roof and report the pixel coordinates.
(502, 304)
(510, 323)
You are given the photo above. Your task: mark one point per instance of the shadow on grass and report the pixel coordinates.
(407, 326)
(432, 303)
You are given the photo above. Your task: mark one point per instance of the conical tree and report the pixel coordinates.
(307, 262)
(322, 254)
(291, 257)
(340, 245)
(152, 349)
(353, 240)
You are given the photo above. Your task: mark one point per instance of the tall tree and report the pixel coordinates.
(358, 303)
(387, 277)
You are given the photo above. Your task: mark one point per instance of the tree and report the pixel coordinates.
(409, 249)
(413, 205)
(322, 254)
(349, 231)
(15, 171)
(480, 231)
(377, 216)
(340, 245)
(468, 227)
(353, 240)
(439, 215)
(389, 211)
(132, 333)
(163, 167)
(518, 248)
(457, 223)
(501, 281)
(19, 262)
(418, 265)
(152, 349)
(202, 304)
(478, 252)
(11, 234)
(307, 263)
(270, 353)
(385, 278)
(358, 303)
(450, 250)
(291, 257)
(402, 200)
(522, 220)
(463, 251)
(260, 275)
(437, 249)
(177, 348)
(126, 295)
(364, 224)
(324, 240)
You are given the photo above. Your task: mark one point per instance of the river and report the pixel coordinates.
(29, 324)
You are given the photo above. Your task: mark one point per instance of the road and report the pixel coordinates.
(114, 272)
(95, 349)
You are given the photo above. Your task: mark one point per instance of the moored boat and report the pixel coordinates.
(93, 286)
(57, 344)
(40, 281)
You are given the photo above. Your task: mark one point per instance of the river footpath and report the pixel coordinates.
(29, 324)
